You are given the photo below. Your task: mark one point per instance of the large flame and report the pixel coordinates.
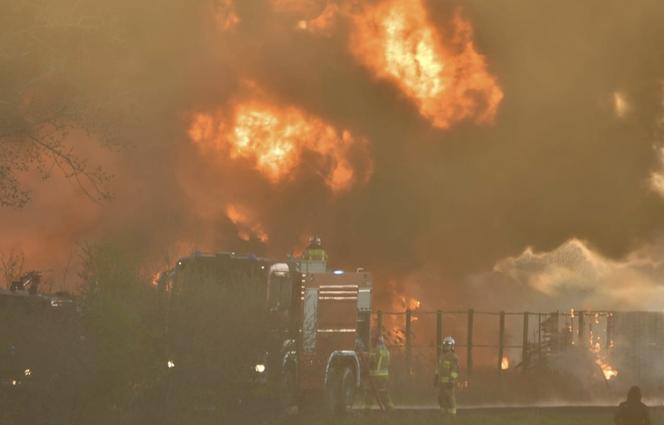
(248, 226)
(274, 139)
(443, 74)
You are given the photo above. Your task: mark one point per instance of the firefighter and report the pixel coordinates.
(447, 373)
(632, 411)
(314, 250)
(379, 375)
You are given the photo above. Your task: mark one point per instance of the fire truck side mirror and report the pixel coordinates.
(364, 299)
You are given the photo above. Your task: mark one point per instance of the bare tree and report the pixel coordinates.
(48, 91)
(12, 264)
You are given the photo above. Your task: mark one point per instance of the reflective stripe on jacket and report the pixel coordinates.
(315, 254)
(381, 362)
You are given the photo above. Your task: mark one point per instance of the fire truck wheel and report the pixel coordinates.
(288, 390)
(341, 390)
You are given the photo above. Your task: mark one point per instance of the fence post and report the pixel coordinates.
(556, 343)
(469, 345)
(408, 341)
(439, 333)
(609, 330)
(524, 345)
(501, 341)
(582, 325)
(539, 337)
(570, 340)
(379, 324)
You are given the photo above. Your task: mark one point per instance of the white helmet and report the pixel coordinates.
(448, 342)
(314, 242)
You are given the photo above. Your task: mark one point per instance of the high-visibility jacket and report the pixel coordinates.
(448, 367)
(380, 362)
(315, 254)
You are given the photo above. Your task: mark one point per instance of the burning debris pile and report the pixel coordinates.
(595, 344)
(590, 341)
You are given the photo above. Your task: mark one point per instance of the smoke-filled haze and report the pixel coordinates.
(452, 148)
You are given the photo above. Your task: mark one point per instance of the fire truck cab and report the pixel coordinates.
(328, 318)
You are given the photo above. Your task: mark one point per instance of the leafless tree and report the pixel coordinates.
(12, 263)
(46, 95)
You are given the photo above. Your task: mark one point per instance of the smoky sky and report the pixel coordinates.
(557, 162)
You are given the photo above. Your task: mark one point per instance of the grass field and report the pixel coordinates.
(488, 416)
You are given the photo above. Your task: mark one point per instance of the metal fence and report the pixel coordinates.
(524, 337)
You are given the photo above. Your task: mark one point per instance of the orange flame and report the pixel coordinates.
(445, 76)
(247, 225)
(609, 371)
(395, 322)
(407, 303)
(274, 138)
(595, 347)
(504, 363)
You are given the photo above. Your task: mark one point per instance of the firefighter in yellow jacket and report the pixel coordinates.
(315, 251)
(447, 373)
(379, 374)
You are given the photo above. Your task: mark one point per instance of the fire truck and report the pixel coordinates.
(322, 331)
(317, 323)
